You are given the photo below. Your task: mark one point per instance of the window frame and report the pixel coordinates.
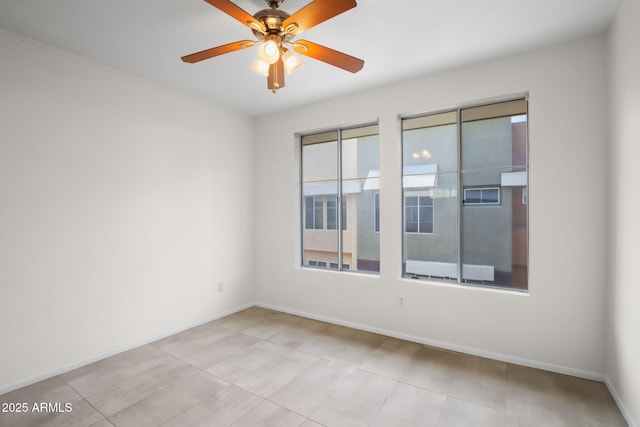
(321, 136)
(314, 214)
(482, 189)
(376, 212)
(420, 194)
(460, 196)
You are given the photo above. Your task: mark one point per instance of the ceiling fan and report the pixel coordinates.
(275, 30)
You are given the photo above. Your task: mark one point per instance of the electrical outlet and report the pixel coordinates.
(402, 302)
(220, 287)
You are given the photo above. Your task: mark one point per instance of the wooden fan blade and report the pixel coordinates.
(330, 56)
(236, 12)
(275, 80)
(215, 51)
(316, 12)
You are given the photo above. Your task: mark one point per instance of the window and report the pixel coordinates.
(418, 213)
(314, 213)
(339, 182)
(481, 196)
(483, 152)
(320, 207)
(332, 214)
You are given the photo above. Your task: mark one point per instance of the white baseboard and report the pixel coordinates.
(474, 351)
(618, 400)
(448, 346)
(112, 352)
(421, 340)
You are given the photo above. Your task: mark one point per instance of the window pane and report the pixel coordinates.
(319, 243)
(320, 162)
(308, 213)
(430, 149)
(494, 241)
(426, 219)
(361, 243)
(332, 213)
(430, 247)
(360, 184)
(472, 197)
(491, 196)
(360, 157)
(410, 219)
(426, 201)
(494, 136)
(429, 165)
(494, 237)
(317, 212)
(344, 216)
(319, 175)
(410, 214)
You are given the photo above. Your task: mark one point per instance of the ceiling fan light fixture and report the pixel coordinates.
(291, 63)
(269, 52)
(261, 67)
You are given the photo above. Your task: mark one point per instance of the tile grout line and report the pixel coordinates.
(104, 416)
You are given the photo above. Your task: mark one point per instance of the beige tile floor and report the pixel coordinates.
(264, 368)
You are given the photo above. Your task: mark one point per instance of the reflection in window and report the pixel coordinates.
(483, 151)
(418, 212)
(340, 172)
(481, 196)
(314, 213)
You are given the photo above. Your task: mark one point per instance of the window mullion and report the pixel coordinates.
(339, 201)
(459, 195)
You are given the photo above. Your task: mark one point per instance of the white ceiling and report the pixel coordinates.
(397, 39)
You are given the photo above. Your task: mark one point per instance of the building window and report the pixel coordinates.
(318, 208)
(481, 196)
(418, 213)
(339, 183)
(314, 213)
(332, 214)
(464, 158)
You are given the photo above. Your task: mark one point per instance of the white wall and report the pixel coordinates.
(623, 336)
(117, 217)
(560, 324)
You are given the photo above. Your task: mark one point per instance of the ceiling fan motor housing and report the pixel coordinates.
(272, 20)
